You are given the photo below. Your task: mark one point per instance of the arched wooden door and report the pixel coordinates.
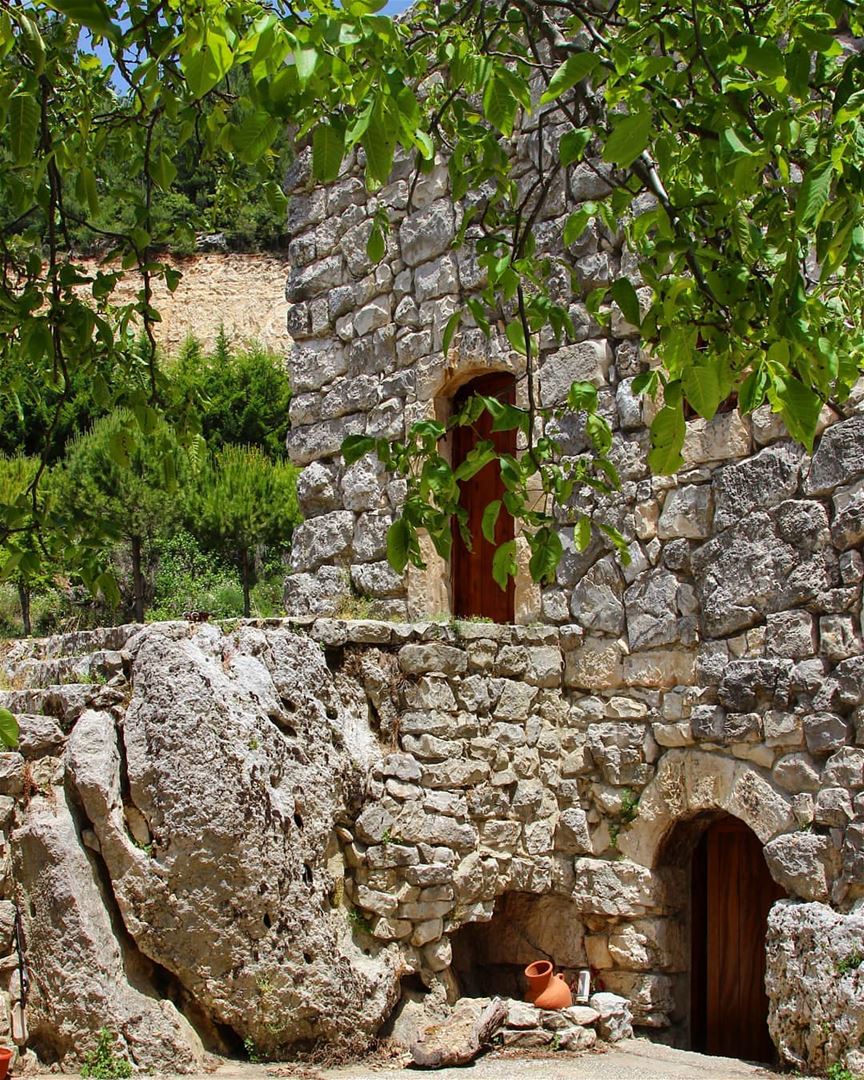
(732, 892)
(474, 589)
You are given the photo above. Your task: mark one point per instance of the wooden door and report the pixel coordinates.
(474, 589)
(732, 892)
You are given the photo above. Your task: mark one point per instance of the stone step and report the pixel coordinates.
(65, 702)
(96, 667)
(76, 643)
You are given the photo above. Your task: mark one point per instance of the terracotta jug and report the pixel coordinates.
(6, 1056)
(545, 990)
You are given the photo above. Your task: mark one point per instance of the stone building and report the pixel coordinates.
(325, 827)
(659, 751)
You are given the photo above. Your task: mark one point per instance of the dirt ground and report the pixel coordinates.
(633, 1059)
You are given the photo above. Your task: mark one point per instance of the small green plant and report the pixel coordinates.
(253, 743)
(629, 807)
(838, 1071)
(556, 1041)
(359, 921)
(252, 1051)
(102, 1063)
(386, 837)
(614, 833)
(851, 962)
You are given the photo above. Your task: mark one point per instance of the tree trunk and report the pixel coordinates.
(24, 600)
(244, 570)
(137, 580)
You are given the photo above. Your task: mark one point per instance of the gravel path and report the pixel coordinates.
(633, 1059)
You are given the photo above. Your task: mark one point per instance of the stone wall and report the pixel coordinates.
(257, 833)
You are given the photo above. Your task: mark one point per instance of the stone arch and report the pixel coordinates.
(692, 783)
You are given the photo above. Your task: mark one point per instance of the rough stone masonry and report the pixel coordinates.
(721, 670)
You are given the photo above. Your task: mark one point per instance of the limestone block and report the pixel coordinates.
(597, 665)
(306, 282)
(436, 278)
(370, 535)
(596, 600)
(726, 436)
(845, 768)
(323, 439)
(766, 563)
(432, 657)
(660, 668)
(573, 836)
(316, 490)
(686, 513)
(349, 395)
(796, 772)
(39, 735)
(629, 406)
(322, 539)
(321, 593)
(545, 666)
(803, 863)
(760, 482)
(515, 701)
(839, 457)
(586, 361)
(847, 525)
(377, 579)
(790, 634)
(372, 316)
(313, 366)
(838, 637)
(615, 888)
(614, 1017)
(651, 609)
(825, 733)
(816, 1012)
(427, 233)
(833, 807)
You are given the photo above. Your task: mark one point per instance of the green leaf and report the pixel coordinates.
(573, 145)
(574, 69)
(163, 170)
(376, 245)
(490, 520)
(8, 730)
(701, 384)
(546, 552)
(450, 329)
(85, 189)
(207, 66)
(90, 13)
(499, 105)
(516, 336)
(624, 295)
(667, 438)
(752, 391)
(355, 447)
(379, 142)
(305, 60)
(813, 196)
(799, 407)
(399, 537)
(106, 584)
(582, 533)
(328, 150)
(504, 563)
(23, 126)
(476, 459)
(629, 138)
(582, 396)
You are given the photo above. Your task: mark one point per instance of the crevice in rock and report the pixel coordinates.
(144, 974)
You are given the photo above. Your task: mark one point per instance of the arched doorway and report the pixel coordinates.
(731, 892)
(474, 590)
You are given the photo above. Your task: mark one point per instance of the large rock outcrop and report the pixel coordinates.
(213, 801)
(815, 983)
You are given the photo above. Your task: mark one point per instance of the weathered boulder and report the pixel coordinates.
(461, 1037)
(237, 894)
(84, 979)
(815, 984)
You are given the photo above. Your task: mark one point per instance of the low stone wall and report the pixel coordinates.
(258, 832)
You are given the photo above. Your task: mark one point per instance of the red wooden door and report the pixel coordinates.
(731, 896)
(474, 589)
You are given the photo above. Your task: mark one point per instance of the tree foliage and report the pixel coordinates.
(729, 136)
(240, 501)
